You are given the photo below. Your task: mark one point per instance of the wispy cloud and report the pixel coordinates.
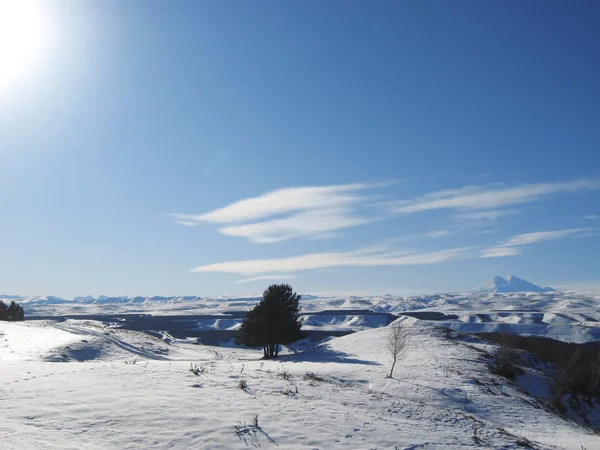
(480, 216)
(489, 197)
(307, 223)
(289, 213)
(438, 234)
(498, 252)
(266, 277)
(532, 238)
(592, 217)
(511, 247)
(362, 258)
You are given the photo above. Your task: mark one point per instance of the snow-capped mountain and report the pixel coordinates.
(510, 284)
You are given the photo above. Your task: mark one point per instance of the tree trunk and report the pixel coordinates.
(392, 369)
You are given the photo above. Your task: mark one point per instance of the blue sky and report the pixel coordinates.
(194, 148)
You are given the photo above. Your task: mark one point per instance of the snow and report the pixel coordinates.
(566, 316)
(510, 284)
(115, 388)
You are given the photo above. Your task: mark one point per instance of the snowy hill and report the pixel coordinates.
(566, 316)
(115, 388)
(510, 284)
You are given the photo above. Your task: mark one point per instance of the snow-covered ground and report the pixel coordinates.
(80, 384)
(567, 316)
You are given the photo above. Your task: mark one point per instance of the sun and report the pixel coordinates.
(21, 39)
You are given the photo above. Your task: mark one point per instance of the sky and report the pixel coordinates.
(343, 147)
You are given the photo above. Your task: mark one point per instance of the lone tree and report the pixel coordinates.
(397, 343)
(274, 321)
(13, 312)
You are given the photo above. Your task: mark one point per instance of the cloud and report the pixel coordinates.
(510, 247)
(592, 217)
(186, 223)
(498, 252)
(308, 223)
(316, 211)
(266, 277)
(282, 201)
(489, 215)
(361, 258)
(438, 234)
(489, 197)
(532, 238)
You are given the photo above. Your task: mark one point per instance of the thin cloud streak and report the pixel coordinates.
(511, 247)
(266, 277)
(361, 258)
(489, 197)
(490, 215)
(532, 238)
(498, 252)
(438, 234)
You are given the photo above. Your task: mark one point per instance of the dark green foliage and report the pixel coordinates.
(12, 313)
(274, 321)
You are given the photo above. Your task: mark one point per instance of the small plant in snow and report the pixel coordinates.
(286, 374)
(243, 384)
(197, 370)
(290, 391)
(255, 421)
(524, 442)
(313, 376)
(476, 429)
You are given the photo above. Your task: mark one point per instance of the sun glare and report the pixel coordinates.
(21, 39)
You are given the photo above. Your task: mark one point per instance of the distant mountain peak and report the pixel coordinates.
(511, 283)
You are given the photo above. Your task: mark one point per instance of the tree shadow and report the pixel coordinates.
(326, 354)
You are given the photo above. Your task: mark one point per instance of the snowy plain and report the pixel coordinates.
(78, 383)
(82, 384)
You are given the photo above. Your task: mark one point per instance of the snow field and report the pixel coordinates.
(137, 392)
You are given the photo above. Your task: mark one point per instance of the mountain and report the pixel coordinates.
(510, 284)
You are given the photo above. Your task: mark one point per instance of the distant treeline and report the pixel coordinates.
(12, 312)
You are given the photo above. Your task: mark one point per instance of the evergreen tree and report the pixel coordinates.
(274, 321)
(13, 312)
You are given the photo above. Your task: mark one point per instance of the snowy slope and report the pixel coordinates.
(130, 391)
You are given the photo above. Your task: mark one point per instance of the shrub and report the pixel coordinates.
(243, 384)
(507, 363)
